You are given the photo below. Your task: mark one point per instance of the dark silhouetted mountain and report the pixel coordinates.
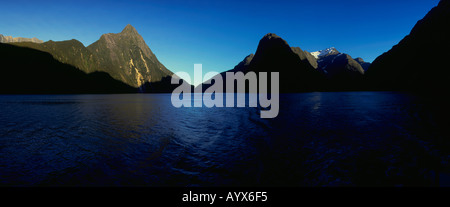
(125, 56)
(418, 61)
(364, 65)
(243, 65)
(341, 70)
(305, 56)
(275, 55)
(10, 39)
(28, 71)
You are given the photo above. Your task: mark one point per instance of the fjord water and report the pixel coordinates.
(335, 138)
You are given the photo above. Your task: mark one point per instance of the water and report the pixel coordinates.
(318, 139)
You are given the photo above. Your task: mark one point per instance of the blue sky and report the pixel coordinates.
(219, 34)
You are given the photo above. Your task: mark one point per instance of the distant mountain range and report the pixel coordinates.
(295, 66)
(10, 39)
(417, 63)
(123, 62)
(323, 55)
(341, 70)
(324, 70)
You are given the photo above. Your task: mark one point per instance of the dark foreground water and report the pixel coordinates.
(345, 138)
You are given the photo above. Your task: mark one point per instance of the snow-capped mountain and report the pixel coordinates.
(323, 53)
(340, 69)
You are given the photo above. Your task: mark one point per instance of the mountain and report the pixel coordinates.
(364, 65)
(71, 52)
(332, 62)
(26, 70)
(322, 53)
(306, 57)
(418, 61)
(341, 70)
(274, 54)
(10, 39)
(125, 56)
(128, 58)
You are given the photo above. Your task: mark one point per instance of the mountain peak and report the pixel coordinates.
(271, 40)
(129, 58)
(271, 36)
(129, 29)
(325, 52)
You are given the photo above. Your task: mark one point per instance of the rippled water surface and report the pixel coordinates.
(345, 138)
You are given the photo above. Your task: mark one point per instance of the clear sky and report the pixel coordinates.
(219, 34)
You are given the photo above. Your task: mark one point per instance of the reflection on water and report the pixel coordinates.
(351, 138)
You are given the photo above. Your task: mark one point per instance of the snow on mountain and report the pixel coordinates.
(322, 53)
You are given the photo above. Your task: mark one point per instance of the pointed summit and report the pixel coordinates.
(126, 38)
(129, 29)
(126, 57)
